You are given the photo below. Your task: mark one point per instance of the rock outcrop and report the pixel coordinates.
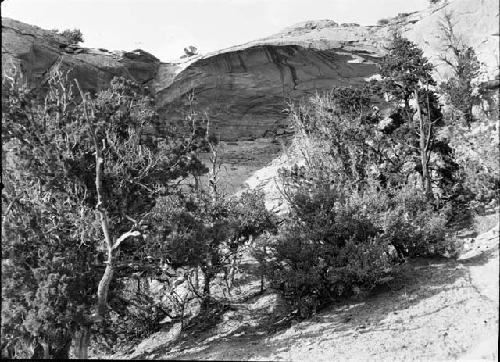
(475, 22)
(35, 52)
(244, 89)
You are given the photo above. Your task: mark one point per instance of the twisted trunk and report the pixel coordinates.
(206, 284)
(232, 270)
(263, 270)
(206, 291)
(196, 279)
(103, 288)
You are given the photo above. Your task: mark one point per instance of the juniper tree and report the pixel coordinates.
(81, 175)
(407, 76)
(73, 36)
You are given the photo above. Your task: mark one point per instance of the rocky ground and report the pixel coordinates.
(440, 310)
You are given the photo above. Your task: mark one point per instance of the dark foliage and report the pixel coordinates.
(52, 237)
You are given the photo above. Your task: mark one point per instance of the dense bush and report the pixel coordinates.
(134, 315)
(413, 227)
(189, 52)
(204, 230)
(339, 243)
(327, 250)
(74, 36)
(49, 233)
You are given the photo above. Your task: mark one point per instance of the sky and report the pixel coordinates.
(165, 27)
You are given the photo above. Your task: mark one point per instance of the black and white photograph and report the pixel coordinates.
(250, 180)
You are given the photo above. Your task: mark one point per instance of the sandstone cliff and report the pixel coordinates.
(244, 89)
(35, 52)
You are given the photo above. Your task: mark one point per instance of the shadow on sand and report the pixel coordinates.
(254, 323)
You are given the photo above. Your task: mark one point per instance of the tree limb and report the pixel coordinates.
(98, 168)
(124, 237)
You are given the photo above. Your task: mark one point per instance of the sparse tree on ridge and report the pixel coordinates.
(74, 36)
(190, 51)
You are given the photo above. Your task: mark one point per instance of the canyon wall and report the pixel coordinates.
(244, 89)
(245, 92)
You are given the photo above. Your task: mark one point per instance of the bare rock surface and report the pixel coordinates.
(476, 23)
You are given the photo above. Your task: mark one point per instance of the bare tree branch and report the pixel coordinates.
(124, 237)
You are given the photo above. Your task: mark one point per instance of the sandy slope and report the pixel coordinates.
(443, 310)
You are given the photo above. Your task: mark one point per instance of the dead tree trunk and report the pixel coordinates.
(213, 181)
(196, 279)
(206, 286)
(424, 141)
(232, 271)
(263, 270)
(103, 288)
(111, 245)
